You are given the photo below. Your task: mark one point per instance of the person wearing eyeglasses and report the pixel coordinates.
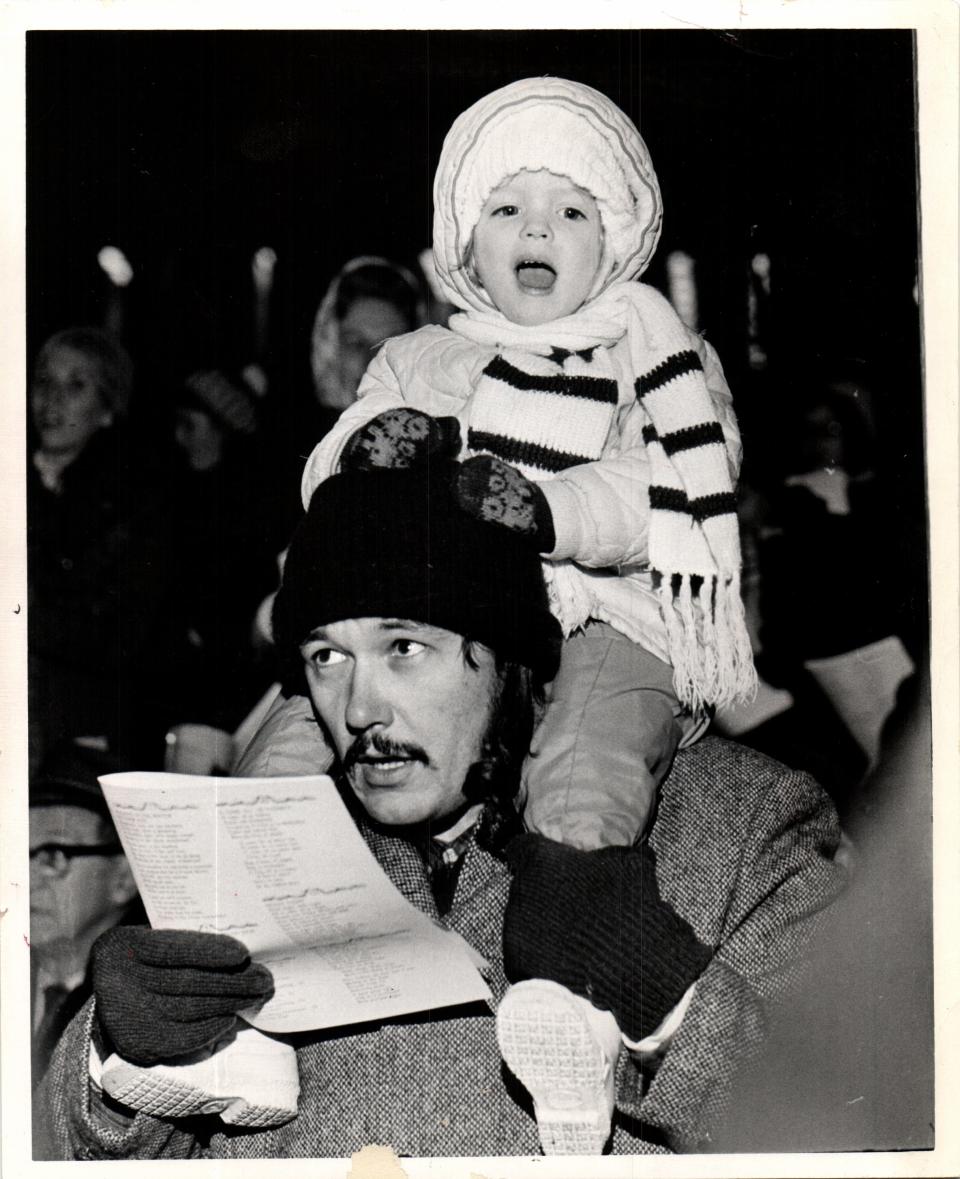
(80, 885)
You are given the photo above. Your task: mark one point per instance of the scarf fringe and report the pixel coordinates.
(708, 641)
(570, 600)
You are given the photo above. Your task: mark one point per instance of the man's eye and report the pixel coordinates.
(323, 656)
(407, 647)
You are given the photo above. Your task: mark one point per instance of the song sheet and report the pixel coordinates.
(279, 864)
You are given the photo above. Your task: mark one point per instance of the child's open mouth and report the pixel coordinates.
(536, 276)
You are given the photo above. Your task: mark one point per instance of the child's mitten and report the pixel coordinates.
(596, 923)
(400, 438)
(493, 491)
(166, 993)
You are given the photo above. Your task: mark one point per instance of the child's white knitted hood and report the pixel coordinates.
(564, 127)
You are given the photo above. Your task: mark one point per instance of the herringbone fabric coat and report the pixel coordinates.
(745, 852)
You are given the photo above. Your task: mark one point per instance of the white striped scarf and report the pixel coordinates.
(542, 414)
(546, 403)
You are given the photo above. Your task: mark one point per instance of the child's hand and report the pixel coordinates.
(493, 491)
(399, 438)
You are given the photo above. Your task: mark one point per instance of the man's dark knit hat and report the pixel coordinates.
(69, 775)
(396, 544)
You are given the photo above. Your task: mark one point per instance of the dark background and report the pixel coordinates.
(191, 149)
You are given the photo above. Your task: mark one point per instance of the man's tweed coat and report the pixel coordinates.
(745, 852)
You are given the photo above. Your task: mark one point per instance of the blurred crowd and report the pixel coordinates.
(834, 582)
(151, 550)
(154, 554)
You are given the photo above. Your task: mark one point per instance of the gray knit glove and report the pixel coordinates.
(165, 993)
(400, 438)
(596, 923)
(493, 491)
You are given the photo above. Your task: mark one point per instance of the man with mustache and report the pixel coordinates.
(425, 642)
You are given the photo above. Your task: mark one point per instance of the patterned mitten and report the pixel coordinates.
(165, 993)
(596, 923)
(493, 491)
(400, 438)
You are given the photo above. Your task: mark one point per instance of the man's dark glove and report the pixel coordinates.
(493, 491)
(165, 993)
(400, 438)
(596, 923)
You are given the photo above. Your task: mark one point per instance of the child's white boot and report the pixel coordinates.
(565, 1052)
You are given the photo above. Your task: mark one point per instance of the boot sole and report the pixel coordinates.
(565, 1061)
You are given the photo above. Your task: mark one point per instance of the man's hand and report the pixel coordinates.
(400, 438)
(493, 491)
(595, 922)
(165, 993)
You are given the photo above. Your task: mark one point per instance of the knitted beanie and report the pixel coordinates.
(231, 403)
(544, 123)
(396, 544)
(69, 776)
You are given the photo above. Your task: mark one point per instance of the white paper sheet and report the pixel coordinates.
(279, 864)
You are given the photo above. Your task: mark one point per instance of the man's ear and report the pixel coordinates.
(123, 887)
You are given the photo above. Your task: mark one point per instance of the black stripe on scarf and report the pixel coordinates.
(672, 499)
(564, 384)
(677, 365)
(528, 453)
(686, 439)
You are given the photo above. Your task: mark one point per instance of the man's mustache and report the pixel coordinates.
(383, 746)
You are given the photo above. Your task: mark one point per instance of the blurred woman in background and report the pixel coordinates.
(79, 394)
(369, 300)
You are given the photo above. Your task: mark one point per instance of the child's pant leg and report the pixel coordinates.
(606, 741)
(289, 743)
